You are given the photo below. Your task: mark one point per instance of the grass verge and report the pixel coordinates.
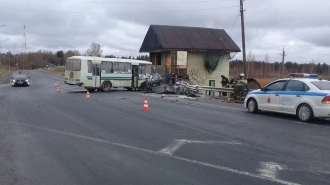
(4, 74)
(57, 71)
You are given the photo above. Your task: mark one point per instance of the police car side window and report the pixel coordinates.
(294, 85)
(306, 88)
(277, 86)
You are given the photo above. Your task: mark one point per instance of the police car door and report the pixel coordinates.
(291, 96)
(270, 99)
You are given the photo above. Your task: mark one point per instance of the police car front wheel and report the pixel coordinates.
(252, 105)
(305, 112)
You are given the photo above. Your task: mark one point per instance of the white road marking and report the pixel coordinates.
(172, 147)
(176, 144)
(311, 170)
(223, 168)
(269, 169)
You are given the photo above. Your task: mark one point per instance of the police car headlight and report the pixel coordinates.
(14, 80)
(27, 80)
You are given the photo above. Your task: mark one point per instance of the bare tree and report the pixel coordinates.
(75, 52)
(250, 60)
(312, 64)
(266, 66)
(94, 50)
(71, 53)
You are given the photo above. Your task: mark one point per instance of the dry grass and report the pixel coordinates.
(57, 71)
(4, 73)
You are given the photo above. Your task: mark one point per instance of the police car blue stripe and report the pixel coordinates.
(291, 93)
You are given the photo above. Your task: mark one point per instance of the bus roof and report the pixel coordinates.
(110, 59)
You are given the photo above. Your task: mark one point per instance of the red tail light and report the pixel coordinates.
(326, 100)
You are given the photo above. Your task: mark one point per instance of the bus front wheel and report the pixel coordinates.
(106, 86)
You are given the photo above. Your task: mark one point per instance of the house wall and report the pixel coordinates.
(198, 75)
(161, 69)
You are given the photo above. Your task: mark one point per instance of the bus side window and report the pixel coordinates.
(89, 66)
(107, 67)
(142, 69)
(119, 67)
(128, 68)
(110, 64)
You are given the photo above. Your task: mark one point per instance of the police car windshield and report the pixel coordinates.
(322, 85)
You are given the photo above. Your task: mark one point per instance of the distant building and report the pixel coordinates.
(201, 53)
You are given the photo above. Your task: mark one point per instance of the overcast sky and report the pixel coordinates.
(302, 26)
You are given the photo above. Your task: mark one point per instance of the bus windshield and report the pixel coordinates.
(144, 69)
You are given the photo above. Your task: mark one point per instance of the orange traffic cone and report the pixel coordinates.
(88, 97)
(55, 85)
(145, 105)
(58, 89)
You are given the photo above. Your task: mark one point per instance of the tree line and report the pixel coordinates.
(37, 59)
(139, 57)
(43, 58)
(264, 69)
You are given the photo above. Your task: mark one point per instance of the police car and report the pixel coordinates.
(303, 95)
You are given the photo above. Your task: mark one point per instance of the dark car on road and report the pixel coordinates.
(20, 80)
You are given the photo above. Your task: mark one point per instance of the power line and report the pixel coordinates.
(306, 54)
(141, 2)
(152, 12)
(234, 24)
(270, 47)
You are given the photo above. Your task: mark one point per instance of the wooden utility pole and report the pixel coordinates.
(243, 36)
(282, 66)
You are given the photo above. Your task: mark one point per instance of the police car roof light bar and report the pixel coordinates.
(306, 75)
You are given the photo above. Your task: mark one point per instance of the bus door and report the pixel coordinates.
(96, 75)
(135, 76)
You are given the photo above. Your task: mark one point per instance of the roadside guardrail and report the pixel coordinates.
(221, 90)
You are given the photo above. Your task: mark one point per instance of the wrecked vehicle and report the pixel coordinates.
(155, 84)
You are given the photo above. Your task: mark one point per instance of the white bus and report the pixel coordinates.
(104, 73)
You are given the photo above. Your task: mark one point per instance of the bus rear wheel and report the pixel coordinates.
(106, 86)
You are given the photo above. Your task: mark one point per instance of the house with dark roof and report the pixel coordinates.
(201, 53)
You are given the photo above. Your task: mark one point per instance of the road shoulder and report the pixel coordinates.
(4, 76)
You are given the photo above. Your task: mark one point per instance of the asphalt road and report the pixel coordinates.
(61, 138)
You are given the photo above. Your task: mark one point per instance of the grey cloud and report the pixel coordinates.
(299, 25)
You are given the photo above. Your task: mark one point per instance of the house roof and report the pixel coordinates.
(162, 37)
